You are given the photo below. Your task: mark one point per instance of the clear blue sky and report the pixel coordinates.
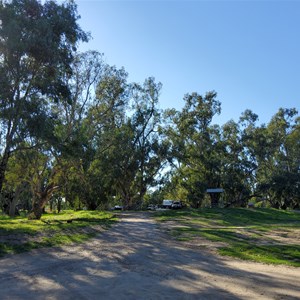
(247, 51)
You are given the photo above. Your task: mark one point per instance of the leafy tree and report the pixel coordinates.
(60, 157)
(135, 152)
(278, 173)
(240, 164)
(75, 132)
(104, 116)
(262, 161)
(15, 185)
(196, 145)
(37, 45)
(44, 173)
(151, 151)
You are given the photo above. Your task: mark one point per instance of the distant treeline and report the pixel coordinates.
(74, 130)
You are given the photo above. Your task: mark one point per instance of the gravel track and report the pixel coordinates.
(137, 260)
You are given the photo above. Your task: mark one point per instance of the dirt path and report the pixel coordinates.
(136, 260)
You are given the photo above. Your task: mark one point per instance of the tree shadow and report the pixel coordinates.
(134, 260)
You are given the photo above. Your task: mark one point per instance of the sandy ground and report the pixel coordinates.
(137, 260)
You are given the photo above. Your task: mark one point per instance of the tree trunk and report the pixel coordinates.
(296, 206)
(3, 166)
(126, 201)
(284, 206)
(59, 200)
(214, 197)
(14, 202)
(37, 209)
(91, 206)
(39, 202)
(51, 205)
(140, 200)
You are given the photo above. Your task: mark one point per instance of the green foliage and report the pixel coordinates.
(134, 152)
(37, 46)
(195, 145)
(246, 160)
(74, 126)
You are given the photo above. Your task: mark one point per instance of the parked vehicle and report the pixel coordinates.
(176, 205)
(118, 207)
(167, 203)
(151, 207)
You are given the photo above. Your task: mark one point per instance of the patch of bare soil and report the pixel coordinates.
(136, 259)
(19, 239)
(196, 242)
(286, 236)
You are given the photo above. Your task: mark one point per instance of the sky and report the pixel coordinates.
(246, 51)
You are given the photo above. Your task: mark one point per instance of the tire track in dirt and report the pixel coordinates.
(135, 259)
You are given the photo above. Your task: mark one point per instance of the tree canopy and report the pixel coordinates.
(74, 128)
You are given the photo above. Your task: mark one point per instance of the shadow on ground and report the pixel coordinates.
(136, 260)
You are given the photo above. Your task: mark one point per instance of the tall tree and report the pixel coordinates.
(15, 184)
(37, 44)
(150, 149)
(196, 145)
(75, 151)
(278, 172)
(135, 152)
(238, 165)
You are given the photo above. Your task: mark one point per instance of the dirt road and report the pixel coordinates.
(136, 260)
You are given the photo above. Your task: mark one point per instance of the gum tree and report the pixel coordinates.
(37, 44)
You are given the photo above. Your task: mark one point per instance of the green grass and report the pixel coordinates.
(52, 230)
(246, 232)
(235, 216)
(277, 254)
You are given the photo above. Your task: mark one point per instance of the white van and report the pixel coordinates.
(167, 203)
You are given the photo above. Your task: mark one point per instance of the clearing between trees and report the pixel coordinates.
(137, 259)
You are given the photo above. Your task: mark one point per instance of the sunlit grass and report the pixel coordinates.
(53, 229)
(233, 217)
(244, 231)
(273, 254)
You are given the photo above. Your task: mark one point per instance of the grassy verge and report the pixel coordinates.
(19, 234)
(262, 235)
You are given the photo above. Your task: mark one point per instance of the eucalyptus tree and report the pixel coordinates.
(149, 145)
(104, 114)
(75, 150)
(278, 173)
(31, 173)
(239, 167)
(135, 150)
(15, 186)
(61, 142)
(37, 46)
(196, 145)
(43, 178)
(262, 161)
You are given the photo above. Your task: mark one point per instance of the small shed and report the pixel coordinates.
(214, 196)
